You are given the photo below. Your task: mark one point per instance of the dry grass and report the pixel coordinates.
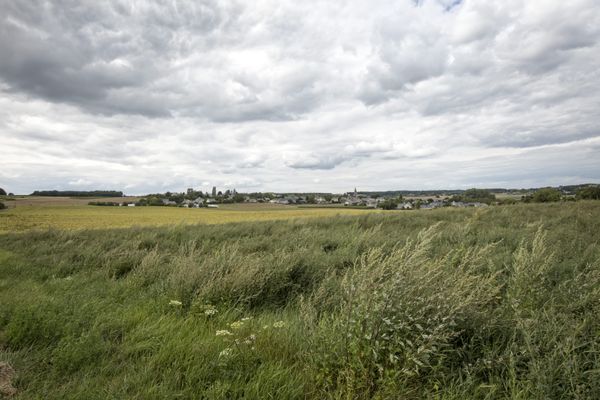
(47, 201)
(60, 214)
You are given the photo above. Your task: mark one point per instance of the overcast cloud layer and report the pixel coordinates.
(147, 96)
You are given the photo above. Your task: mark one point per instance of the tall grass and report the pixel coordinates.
(447, 304)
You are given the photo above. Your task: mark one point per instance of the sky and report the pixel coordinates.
(301, 96)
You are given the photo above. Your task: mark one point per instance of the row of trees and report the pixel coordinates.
(475, 196)
(547, 195)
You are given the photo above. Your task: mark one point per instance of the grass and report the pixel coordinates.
(67, 215)
(444, 304)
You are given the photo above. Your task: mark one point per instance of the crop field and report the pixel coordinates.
(57, 214)
(492, 303)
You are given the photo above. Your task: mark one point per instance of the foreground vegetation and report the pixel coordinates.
(445, 304)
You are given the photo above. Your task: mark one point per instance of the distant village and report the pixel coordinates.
(386, 200)
(354, 199)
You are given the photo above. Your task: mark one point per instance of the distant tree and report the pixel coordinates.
(546, 195)
(478, 195)
(2, 192)
(311, 199)
(508, 200)
(589, 193)
(389, 204)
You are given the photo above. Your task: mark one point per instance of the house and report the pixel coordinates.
(405, 206)
(371, 202)
(432, 205)
(213, 206)
(131, 205)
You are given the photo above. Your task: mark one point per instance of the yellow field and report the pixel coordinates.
(68, 216)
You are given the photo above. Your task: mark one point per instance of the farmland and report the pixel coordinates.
(445, 304)
(63, 213)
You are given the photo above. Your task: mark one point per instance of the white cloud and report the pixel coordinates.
(290, 95)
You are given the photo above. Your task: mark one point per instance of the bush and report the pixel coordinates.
(589, 193)
(2, 206)
(475, 195)
(546, 195)
(389, 204)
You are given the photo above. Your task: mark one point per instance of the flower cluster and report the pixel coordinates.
(239, 337)
(237, 325)
(209, 312)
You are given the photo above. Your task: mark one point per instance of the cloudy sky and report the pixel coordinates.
(276, 95)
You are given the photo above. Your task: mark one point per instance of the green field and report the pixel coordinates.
(489, 303)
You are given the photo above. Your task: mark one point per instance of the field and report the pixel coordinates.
(492, 303)
(66, 213)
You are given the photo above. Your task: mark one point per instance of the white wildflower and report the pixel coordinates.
(224, 332)
(175, 303)
(279, 324)
(236, 325)
(246, 319)
(210, 311)
(226, 352)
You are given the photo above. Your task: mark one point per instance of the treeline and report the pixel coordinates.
(104, 203)
(78, 193)
(475, 195)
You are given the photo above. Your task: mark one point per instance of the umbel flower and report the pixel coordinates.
(226, 352)
(236, 324)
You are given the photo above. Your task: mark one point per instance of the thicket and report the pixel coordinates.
(475, 195)
(488, 303)
(589, 193)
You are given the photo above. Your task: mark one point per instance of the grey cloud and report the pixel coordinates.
(287, 95)
(155, 59)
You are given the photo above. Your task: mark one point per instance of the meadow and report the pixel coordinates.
(31, 213)
(489, 303)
